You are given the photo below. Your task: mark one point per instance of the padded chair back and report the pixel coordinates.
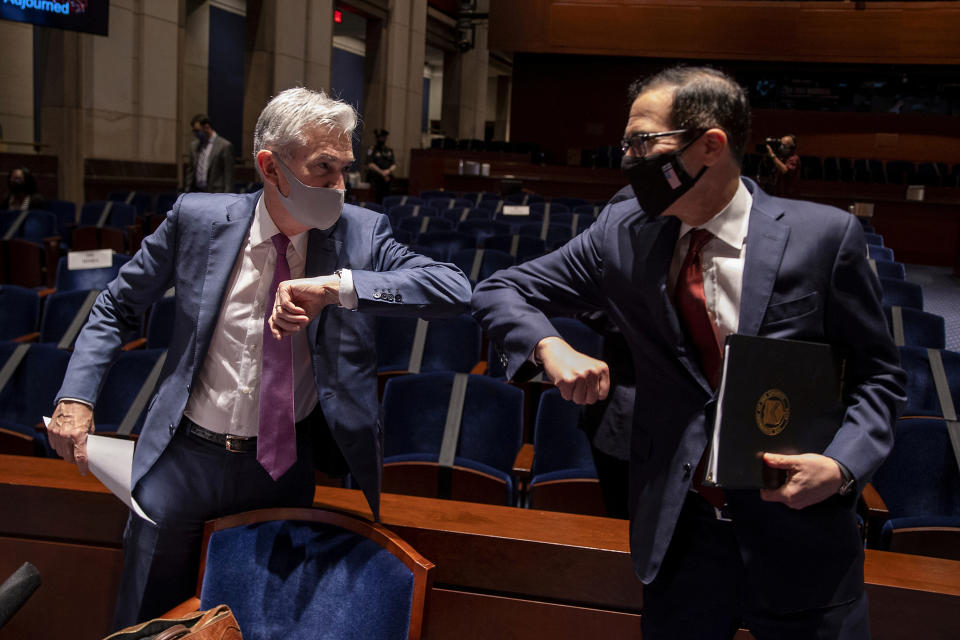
(549, 207)
(592, 210)
(447, 242)
(522, 198)
(556, 234)
(140, 201)
(570, 203)
(575, 333)
(449, 345)
(873, 239)
(59, 312)
(437, 193)
(160, 323)
(915, 328)
(423, 224)
(476, 197)
(68, 280)
(165, 202)
(125, 379)
(392, 201)
(879, 253)
(401, 212)
(29, 394)
(301, 574)
(19, 311)
(922, 399)
(121, 214)
(372, 206)
(490, 262)
(460, 215)
(65, 210)
(415, 411)
(558, 444)
(444, 203)
(481, 229)
(520, 247)
(890, 269)
(901, 293)
(38, 225)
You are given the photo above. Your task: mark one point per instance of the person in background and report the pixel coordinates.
(211, 159)
(380, 165)
(781, 167)
(21, 191)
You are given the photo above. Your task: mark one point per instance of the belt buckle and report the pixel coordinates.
(234, 448)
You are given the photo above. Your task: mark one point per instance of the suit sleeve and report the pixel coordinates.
(118, 309)
(406, 283)
(513, 305)
(874, 380)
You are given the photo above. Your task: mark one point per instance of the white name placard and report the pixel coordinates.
(96, 259)
(516, 210)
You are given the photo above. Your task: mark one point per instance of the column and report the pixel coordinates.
(465, 86)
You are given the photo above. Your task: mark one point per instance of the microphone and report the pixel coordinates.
(16, 590)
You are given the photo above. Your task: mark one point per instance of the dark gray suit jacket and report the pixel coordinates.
(805, 277)
(220, 171)
(195, 249)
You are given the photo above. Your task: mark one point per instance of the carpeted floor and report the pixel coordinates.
(941, 295)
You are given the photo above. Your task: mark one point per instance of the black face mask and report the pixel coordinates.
(201, 136)
(659, 180)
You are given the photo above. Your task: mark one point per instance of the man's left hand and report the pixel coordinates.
(811, 478)
(299, 301)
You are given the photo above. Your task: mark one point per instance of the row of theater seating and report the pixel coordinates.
(498, 467)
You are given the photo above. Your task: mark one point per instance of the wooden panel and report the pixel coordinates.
(877, 32)
(101, 176)
(43, 168)
(77, 594)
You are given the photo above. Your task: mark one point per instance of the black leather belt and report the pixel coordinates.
(235, 444)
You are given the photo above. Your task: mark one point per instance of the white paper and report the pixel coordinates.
(95, 259)
(111, 461)
(516, 210)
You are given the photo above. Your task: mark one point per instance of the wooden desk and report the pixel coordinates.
(501, 572)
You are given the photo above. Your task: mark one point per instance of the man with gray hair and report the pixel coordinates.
(241, 419)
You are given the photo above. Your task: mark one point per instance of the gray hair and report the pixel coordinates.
(290, 113)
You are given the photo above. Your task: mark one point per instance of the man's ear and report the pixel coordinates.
(716, 143)
(268, 167)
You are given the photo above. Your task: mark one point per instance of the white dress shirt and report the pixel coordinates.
(722, 259)
(225, 397)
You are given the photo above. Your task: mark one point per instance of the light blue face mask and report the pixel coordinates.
(315, 207)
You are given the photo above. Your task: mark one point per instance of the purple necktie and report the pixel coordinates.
(277, 438)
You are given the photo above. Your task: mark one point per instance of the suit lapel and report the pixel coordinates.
(766, 242)
(226, 241)
(323, 258)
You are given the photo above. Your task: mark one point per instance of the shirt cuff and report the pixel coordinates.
(348, 295)
(78, 401)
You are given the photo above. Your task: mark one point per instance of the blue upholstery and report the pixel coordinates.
(557, 234)
(522, 198)
(401, 212)
(88, 278)
(920, 478)
(874, 239)
(449, 203)
(890, 269)
(448, 242)
(920, 329)
(160, 323)
(373, 206)
(165, 202)
(307, 580)
(527, 246)
(592, 210)
(121, 214)
(476, 197)
(555, 207)
(570, 202)
(879, 253)
(433, 223)
(437, 193)
(460, 215)
(559, 445)
(391, 201)
(490, 204)
(491, 262)
(121, 386)
(415, 411)
(29, 394)
(19, 311)
(901, 293)
(451, 345)
(921, 392)
(66, 212)
(481, 229)
(58, 312)
(142, 202)
(38, 225)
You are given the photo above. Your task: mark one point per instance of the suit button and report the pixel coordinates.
(686, 468)
(172, 428)
(376, 295)
(397, 298)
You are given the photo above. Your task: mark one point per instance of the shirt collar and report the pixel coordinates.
(263, 229)
(730, 225)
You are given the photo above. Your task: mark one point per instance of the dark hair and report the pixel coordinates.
(29, 184)
(201, 118)
(703, 98)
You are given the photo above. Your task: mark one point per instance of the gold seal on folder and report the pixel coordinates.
(773, 412)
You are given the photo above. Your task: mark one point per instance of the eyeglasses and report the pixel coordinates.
(638, 141)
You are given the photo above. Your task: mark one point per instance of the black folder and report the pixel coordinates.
(778, 396)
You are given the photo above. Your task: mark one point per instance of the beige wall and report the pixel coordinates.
(16, 85)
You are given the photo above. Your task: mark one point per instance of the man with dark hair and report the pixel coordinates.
(699, 254)
(211, 159)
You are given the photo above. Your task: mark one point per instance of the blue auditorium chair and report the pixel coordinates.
(120, 215)
(451, 344)
(563, 477)
(522, 198)
(60, 315)
(463, 214)
(372, 206)
(476, 197)
(556, 234)
(520, 247)
(915, 328)
(300, 574)
(874, 239)
(901, 293)
(481, 229)
(424, 224)
(68, 280)
(570, 202)
(889, 269)
(30, 391)
(879, 253)
(66, 212)
(477, 463)
(491, 205)
(592, 210)
(491, 261)
(578, 335)
(436, 193)
(142, 202)
(128, 378)
(392, 201)
(446, 242)
(403, 211)
(922, 398)
(919, 485)
(551, 207)
(19, 311)
(165, 201)
(444, 203)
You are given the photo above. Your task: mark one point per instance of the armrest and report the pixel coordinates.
(43, 293)
(27, 337)
(523, 464)
(139, 343)
(480, 368)
(182, 609)
(875, 506)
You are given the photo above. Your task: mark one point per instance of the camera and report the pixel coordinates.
(773, 142)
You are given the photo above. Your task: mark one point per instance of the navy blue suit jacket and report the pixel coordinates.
(805, 277)
(195, 249)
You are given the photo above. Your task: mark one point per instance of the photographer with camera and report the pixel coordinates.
(780, 165)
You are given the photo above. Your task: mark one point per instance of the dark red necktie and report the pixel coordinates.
(691, 303)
